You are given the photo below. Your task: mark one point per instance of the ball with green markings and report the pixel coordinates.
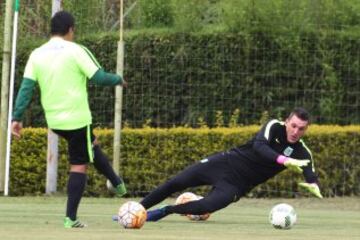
(282, 216)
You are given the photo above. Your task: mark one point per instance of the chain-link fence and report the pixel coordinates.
(203, 61)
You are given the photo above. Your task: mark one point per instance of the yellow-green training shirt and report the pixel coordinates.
(61, 68)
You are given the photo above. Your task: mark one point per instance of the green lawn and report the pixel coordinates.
(41, 218)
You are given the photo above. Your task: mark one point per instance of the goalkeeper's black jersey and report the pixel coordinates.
(256, 162)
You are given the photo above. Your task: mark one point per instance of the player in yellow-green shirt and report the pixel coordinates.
(62, 70)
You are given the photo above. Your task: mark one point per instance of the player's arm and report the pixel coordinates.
(24, 96)
(313, 188)
(263, 138)
(106, 79)
(22, 101)
(309, 173)
(312, 184)
(92, 69)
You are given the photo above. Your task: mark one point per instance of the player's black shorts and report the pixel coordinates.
(79, 144)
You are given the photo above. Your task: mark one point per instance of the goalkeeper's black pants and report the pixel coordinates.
(213, 171)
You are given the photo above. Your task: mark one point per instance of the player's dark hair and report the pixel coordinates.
(301, 113)
(61, 23)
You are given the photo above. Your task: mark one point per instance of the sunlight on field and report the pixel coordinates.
(41, 218)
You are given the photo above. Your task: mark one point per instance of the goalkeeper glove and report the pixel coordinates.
(292, 164)
(313, 188)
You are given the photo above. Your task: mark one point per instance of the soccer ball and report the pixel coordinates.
(187, 197)
(282, 216)
(132, 215)
(201, 217)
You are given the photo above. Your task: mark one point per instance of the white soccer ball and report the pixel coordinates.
(187, 197)
(132, 215)
(282, 216)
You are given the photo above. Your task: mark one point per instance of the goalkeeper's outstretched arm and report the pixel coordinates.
(313, 188)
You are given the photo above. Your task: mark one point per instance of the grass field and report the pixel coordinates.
(41, 218)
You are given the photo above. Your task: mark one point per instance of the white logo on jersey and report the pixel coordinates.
(288, 151)
(204, 160)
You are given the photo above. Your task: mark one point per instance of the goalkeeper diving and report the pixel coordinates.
(234, 173)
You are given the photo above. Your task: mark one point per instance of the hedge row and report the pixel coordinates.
(150, 156)
(176, 78)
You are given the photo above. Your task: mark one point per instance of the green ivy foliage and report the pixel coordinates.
(150, 156)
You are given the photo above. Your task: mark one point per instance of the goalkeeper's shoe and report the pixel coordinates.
(68, 223)
(156, 215)
(120, 190)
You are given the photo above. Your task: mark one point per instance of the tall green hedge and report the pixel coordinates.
(217, 55)
(176, 78)
(150, 156)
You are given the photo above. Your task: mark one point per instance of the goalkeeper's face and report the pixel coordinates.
(295, 128)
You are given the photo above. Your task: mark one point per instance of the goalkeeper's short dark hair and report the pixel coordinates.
(301, 113)
(61, 23)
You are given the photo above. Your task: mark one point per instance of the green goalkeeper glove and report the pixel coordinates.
(295, 165)
(313, 188)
